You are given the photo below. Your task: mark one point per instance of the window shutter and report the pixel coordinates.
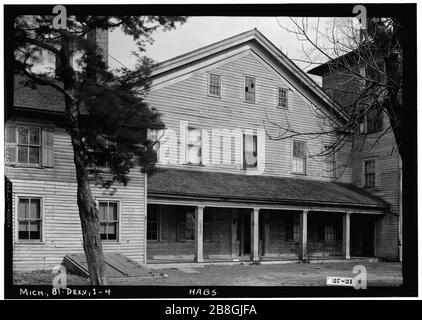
(47, 148)
(10, 145)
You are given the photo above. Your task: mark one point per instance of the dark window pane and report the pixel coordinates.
(23, 230)
(35, 230)
(22, 154)
(34, 154)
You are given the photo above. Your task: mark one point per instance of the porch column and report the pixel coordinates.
(266, 233)
(234, 252)
(304, 234)
(199, 234)
(255, 235)
(346, 235)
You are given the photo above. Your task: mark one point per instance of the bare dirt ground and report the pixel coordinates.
(296, 274)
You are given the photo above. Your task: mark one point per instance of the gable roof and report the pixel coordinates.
(258, 188)
(251, 36)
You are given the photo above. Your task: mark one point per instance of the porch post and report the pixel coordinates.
(199, 234)
(234, 252)
(346, 235)
(266, 233)
(304, 234)
(255, 235)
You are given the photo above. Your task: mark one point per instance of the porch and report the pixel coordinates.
(193, 227)
(181, 233)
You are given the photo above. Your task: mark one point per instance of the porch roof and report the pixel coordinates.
(189, 184)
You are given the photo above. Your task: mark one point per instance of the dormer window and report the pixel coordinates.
(214, 85)
(250, 84)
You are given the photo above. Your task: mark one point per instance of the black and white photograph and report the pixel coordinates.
(210, 151)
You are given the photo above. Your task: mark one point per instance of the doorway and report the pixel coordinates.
(362, 240)
(244, 234)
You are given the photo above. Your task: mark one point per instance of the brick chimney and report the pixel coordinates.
(100, 37)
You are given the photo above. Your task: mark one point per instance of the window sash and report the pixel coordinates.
(109, 227)
(194, 147)
(329, 233)
(369, 173)
(299, 157)
(29, 219)
(214, 88)
(250, 85)
(28, 152)
(250, 147)
(282, 97)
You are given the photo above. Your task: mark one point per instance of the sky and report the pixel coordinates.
(201, 31)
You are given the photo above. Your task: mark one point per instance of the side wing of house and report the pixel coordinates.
(375, 160)
(46, 224)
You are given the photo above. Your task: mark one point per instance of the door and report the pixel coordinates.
(244, 234)
(362, 229)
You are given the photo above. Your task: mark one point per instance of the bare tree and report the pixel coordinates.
(362, 71)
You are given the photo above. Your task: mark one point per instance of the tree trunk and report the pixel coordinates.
(90, 223)
(88, 212)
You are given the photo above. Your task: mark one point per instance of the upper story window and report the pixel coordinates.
(194, 146)
(214, 85)
(369, 172)
(299, 157)
(282, 98)
(29, 218)
(250, 151)
(329, 163)
(29, 145)
(250, 87)
(109, 219)
(372, 120)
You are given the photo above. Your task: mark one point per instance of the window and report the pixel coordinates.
(109, 220)
(292, 228)
(369, 173)
(194, 146)
(214, 85)
(29, 145)
(29, 218)
(154, 137)
(250, 151)
(329, 164)
(153, 223)
(185, 226)
(329, 232)
(250, 89)
(372, 120)
(282, 98)
(299, 157)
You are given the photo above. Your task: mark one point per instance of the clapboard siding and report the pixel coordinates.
(61, 224)
(188, 100)
(345, 88)
(387, 187)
